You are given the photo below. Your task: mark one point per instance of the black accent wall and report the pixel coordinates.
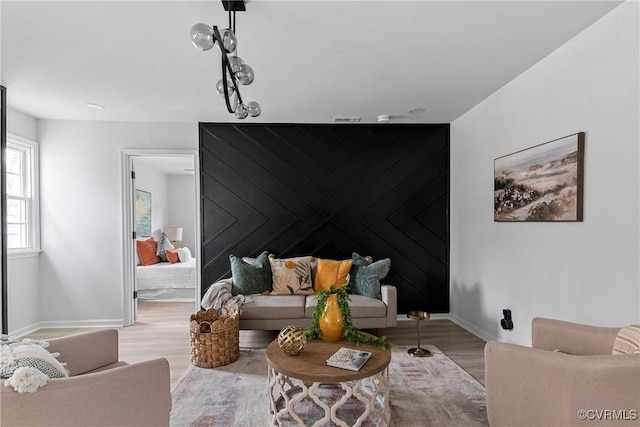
(329, 190)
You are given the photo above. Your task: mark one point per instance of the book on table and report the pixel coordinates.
(348, 358)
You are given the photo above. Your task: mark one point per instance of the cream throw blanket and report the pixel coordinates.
(219, 295)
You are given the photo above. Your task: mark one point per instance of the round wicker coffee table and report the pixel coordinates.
(293, 379)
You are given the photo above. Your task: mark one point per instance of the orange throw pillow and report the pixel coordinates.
(147, 251)
(172, 255)
(331, 272)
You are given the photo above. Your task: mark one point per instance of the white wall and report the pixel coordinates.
(81, 213)
(23, 274)
(584, 272)
(182, 208)
(1, 81)
(21, 124)
(157, 183)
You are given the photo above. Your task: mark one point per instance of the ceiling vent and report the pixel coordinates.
(347, 119)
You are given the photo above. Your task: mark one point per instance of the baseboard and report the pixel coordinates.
(25, 331)
(69, 324)
(472, 328)
(458, 321)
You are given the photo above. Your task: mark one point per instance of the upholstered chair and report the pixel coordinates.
(100, 391)
(568, 378)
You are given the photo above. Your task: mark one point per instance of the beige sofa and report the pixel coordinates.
(274, 312)
(101, 390)
(568, 378)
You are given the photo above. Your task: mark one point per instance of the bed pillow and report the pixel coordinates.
(365, 276)
(162, 247)
(184, 254)
(291, 276)
(172, 256)
(330, 272)
(147, 251)
(250, 278)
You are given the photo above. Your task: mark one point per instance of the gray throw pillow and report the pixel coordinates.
(163, 245)
(365, 276)
(251, 278)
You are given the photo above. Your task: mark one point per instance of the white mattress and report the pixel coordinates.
(166, 280)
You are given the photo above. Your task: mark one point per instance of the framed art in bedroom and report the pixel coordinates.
(143, 213)
(542, 183)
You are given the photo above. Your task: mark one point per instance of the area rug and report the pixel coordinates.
(425, 392)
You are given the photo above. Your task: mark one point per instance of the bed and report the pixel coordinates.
(166, 281)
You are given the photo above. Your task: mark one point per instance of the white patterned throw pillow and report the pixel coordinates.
(627, 341)
(26, 365)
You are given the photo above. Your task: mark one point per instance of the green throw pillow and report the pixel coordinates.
(365, 276)
(252, 278)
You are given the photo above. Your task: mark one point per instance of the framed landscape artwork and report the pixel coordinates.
(541, 183)
(143, 213)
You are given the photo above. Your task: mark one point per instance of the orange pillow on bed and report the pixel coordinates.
(172, 255)
(147, 251)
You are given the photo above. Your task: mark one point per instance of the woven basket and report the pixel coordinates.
(215, 337)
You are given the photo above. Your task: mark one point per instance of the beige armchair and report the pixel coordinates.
(581, 384)
(101, 391)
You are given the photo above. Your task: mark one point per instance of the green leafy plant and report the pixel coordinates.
(352, 334)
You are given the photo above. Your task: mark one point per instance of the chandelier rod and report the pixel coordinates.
(226, 67)
(234, 71)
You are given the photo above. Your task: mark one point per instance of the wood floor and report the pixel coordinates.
(162, 331)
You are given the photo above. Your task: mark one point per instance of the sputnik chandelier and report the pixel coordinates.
(234, 70)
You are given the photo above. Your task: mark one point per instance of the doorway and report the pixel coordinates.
(168, 181)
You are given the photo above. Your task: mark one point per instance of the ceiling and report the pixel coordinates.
(313, 60)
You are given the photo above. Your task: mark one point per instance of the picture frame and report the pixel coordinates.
(543, 183)
(143, 213)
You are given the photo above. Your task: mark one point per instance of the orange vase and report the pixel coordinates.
(332, 321)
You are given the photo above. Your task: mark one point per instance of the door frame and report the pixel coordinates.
(128, 227)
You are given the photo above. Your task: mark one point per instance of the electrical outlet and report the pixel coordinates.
(506, 321)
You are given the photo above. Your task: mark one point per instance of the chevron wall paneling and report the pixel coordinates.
(330, 190)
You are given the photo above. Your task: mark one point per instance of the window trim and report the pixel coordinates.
(34, 221)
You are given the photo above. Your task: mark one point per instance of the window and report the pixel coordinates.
(22, 195)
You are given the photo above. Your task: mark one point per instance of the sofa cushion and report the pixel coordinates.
(274, 307)
(250, 278)
(291, 276)
(365, 276)
(361, 307)
(331, 272)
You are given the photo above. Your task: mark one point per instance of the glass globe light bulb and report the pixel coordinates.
(245, 76)
(220, 87)
(235, 62)
(253, 108)
(229, 41)
(241, 112)
(202, 36)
